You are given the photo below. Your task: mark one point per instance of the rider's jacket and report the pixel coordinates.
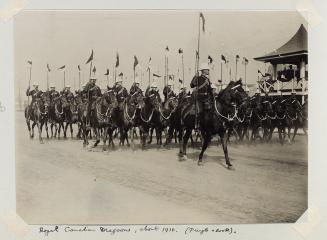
(168, 93)
(121, 93)
(135, 89)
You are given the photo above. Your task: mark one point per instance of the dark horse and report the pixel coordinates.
(71, 116)
(211, 122)
(150, 105)
(101, 116)
(38, 114)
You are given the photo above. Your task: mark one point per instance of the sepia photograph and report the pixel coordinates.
(161, 116)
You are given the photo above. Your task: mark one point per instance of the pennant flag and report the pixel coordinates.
(220, 81)
(49, 70)
(180, 80)
(180, 51)
(170, 77)
(79, 68)
(210, 59)
(196, 53)
(223, 58)
(29, 62)
(245, 60)
(120, 74)
(107, 73)
(90, 58)
(203, 21)
(259, 71)
(149, 65)
(94, 70)
(63, 67)
(117, 60)
(135, 61)
(237, 57)
(167, 49)
(155, 75)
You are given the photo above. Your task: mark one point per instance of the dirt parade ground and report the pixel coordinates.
(62, 182)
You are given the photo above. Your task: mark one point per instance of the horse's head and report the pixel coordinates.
(228, 95)
(154, 100)
(137, 100)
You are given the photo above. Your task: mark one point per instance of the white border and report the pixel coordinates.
(12, 227)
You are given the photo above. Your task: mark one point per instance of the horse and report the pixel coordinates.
(211, 122)
(163, 118)
(129, 117)
(101, 116)
(150, 105)
(38, 114)
(57, 115)
(71, 116)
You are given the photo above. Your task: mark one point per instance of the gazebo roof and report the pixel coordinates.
(293, 50)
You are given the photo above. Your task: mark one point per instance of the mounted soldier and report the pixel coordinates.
(135, 89)
(182, 93)
(121, 92)
(168, 91)
(68, 94)
(93, 92)
(202, 90)
(53, 93)
(153, 89)
(35, 93)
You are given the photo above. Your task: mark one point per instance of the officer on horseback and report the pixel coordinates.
(203, 91)
(93, 92)
(168, 91)
(68, 94)
(153, 90)
(35, 93)
(135, 89)
(121, 92)
(53, 93)
(181, 94)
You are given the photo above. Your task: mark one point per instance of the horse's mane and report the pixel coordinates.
(222, 93)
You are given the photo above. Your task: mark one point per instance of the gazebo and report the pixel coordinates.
(294, 55)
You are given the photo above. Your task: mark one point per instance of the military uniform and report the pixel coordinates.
(93, 92)
(168, 93)
(135, 89)
(203, 92)
(53, 94)
(35, 93)
(181, 95)
(121, 93)
(68, 95)
(151, 91)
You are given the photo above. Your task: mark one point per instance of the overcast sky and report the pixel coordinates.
(67, 38)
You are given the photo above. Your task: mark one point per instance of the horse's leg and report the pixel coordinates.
(33, 125)
(223, 139)
(206, 140)
(71, 129)
(29, 127)
(296, 127)
(185, 140)
(126, 137)
(97, 136)
(104, 138)
(151, 133)
(39, 128)
(65, 129)
(47, 129)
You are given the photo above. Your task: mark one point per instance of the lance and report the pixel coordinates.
(236, 70)
(47, 80)
(29, 81)
(183, 67)
(79, 79)
(245, 74)
(221, 73)
(64, 77)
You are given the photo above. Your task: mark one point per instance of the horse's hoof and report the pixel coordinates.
(200, 163)
(41, 141)
(183, 157)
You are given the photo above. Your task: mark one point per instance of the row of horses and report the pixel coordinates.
(232, 113)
